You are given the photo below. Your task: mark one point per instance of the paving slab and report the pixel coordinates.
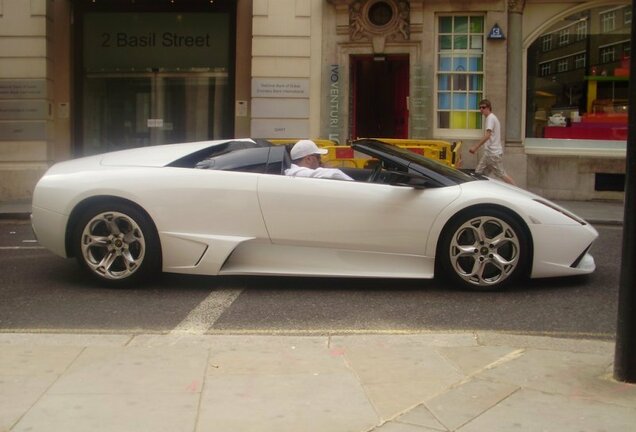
(404, 427)
(134, 370)
(299, 402)
(532, 411)
(472, 359)
(112, 412)
(18, 394)
(463, 403)
(422, 417)
(487, 338)
(579, 375)
(400, 373)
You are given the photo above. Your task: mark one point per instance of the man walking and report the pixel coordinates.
(492, 159)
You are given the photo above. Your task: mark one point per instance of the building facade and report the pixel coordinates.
(79, 77)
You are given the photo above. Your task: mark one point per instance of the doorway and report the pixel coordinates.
(380, 94)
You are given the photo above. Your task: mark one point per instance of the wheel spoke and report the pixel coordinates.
(94, 240)
(104, 265)
(463, 251)
(130, 262)
(111, 223)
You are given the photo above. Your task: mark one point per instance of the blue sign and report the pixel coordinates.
(496, 33)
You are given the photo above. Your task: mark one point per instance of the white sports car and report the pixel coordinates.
(226, 208)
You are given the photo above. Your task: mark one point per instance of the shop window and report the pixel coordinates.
(460, 71)
(584, 93)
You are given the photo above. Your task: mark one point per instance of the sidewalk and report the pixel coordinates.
(466, 382)
(595, 212)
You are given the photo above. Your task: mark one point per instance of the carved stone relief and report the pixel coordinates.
(516, 6)
(370, 19)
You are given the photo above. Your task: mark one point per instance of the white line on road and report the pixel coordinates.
(203, 317)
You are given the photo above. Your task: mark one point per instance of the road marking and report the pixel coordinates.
(203, 317)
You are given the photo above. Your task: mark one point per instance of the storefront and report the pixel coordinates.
(153, 73)
(576, 100)
(80, 77)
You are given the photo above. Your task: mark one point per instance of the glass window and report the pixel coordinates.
(608, 21)
(582, 92)
(153, 77)
(579, 61)
(627, 15)
(581, 30)
(564, 37)
(608, 54)
(460, 69)
(546, 42)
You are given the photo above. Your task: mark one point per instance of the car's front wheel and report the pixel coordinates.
(116, 243)
(484, 249)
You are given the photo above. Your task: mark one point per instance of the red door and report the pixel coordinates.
(380, 90)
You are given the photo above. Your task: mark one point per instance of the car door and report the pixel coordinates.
(349, 215)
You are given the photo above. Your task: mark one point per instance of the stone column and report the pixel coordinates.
(516, 160)
(514, 73)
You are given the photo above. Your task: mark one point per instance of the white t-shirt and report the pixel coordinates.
(493, 145)
(330, 173)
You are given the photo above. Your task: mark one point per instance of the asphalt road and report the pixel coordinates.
(42, 292)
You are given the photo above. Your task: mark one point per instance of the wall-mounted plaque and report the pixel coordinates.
(23, 89)
(23, 131)
(24, 110)
(280, 88)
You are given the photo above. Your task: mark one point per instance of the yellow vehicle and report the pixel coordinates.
(344, 156)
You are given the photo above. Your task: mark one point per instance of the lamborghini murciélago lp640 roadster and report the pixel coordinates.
(226, 208)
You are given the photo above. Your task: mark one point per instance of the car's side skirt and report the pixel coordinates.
(265, 258)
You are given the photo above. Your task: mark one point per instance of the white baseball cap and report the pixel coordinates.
(305, 148)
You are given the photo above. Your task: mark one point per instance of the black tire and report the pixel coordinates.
(116, 243)
(484, 249)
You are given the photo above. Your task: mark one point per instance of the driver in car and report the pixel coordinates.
(305, 157)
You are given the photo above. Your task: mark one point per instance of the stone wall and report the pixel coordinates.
(26, 106)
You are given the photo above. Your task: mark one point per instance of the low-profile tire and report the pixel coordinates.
(484, 249)
(116, 243)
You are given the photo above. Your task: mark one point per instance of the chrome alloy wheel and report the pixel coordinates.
(113, 245)
(484, 251)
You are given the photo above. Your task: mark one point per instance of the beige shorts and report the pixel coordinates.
(491, 163)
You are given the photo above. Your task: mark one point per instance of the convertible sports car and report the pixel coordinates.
(226, 207)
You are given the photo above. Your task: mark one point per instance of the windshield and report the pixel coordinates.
(413, 159)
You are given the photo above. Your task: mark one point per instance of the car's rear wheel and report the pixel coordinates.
(116, 243)
(484, 249)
